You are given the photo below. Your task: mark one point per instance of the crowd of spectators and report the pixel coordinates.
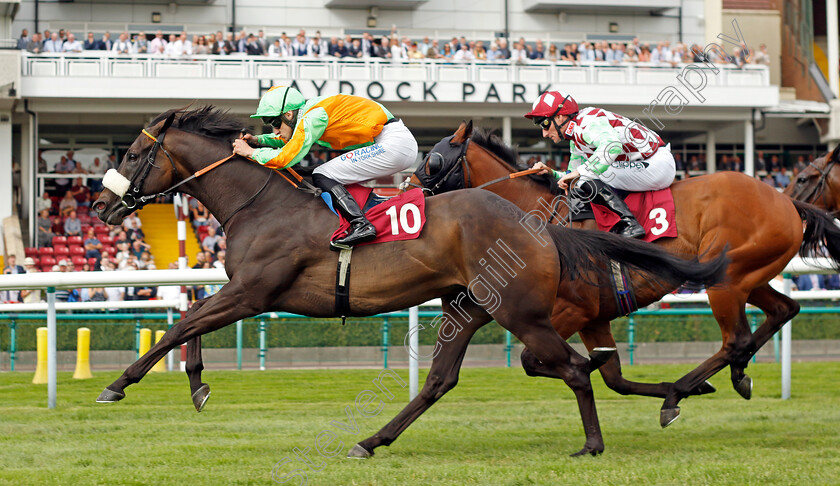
(391, 47)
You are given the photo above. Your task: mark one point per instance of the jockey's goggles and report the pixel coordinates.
(543, 122)
(274, 121)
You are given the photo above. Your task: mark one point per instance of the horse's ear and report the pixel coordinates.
(835, 154)
(468, 130)
(168, 122)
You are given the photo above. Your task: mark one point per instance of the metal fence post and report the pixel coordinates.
(385, 327)
(12, 346)
(239, 345)
(508, 347)
(136, 339)
(262, 344)
(631, 339)
(786, 344)
(170, 356)
(753, 327)
(51, 348)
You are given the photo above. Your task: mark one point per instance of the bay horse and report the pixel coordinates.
(819, 183)
(762, 227)
(278, 259)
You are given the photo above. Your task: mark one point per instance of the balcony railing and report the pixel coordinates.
(96, 64)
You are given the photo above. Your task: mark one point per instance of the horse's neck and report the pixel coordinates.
(230, 187)
(525, 193)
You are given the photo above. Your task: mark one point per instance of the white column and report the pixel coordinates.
(833, 45)
(506, 131)
(26, 172)
(786, 338)
(711, 153)
(749, 148)
(6, 195)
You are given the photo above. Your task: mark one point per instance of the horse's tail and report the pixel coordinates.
(587, 251)
(820, 230)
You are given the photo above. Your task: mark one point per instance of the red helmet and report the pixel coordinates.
(552, 103)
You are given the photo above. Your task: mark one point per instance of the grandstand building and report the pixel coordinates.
(738, 110)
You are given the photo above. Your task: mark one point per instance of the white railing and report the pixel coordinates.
(53, 280)
(105, 64)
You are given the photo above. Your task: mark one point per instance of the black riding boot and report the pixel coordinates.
(628, 226)
(361, 230)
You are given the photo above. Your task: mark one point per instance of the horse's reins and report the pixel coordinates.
(823, 181)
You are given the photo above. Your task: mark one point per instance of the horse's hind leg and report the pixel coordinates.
(778, 308)
(200, 391)
(442, 377)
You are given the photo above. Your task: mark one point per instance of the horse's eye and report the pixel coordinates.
(802, 180)
(132, 157)
(435, 163)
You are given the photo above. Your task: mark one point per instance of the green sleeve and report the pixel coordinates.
(270, 140)
(600, 134)
(307, 132)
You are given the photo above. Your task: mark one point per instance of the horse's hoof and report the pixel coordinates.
(704, 389)
(744, 387)
(200, 397)
(109, 396)
(599, 356)
(359, 452)
(668, 415)
(587, 450)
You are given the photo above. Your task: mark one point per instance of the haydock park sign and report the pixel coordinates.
(440, 91)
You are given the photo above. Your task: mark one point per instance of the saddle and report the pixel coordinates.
(655, 211)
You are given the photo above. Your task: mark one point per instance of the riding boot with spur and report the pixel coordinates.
(361, 230)
(628, 227)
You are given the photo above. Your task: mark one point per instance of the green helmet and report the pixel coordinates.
(279, 100)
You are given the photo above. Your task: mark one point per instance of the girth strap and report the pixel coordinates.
(625, 298)
(342, 284)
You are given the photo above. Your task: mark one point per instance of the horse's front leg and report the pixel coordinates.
(232, 303)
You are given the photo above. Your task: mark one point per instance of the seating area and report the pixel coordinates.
(71, 249)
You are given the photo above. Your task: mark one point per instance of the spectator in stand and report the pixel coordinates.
(140, 44)
(36, 45)
(317, 46)
(93, 247)
(138, 247)
(479, 53)
(299, 45)
(96, 168)
(463, 55)
(447, 52)
(209, 241)
(122, 236)
(30, 296)
(539, 51)
(158, 44)
(67, 204)
(201, 48)
(630, 54)
(761, 57)
(553, 54)
(182, 46)
(518, 55)
(23, 40)
(123, 253)
(220, 259)
(287, 49)
(106, 44)
(568, 53)
(396, 49)
(242, 41)
(123, 45)
(782, 178)
(199, 259)
(644, 54)
(775, 164)
(367, 45)
(44, 202)
(433, 52)
(383, 49)
(252, 47)
(64, 166)
(72, 45)
(145, 261)
(72, 224)
(45, 234)
(262, 40)
(355, 49)
(91, 44)
(53, 44)
(132, 221)
(275, 50)
(62, 35)
(341, 49)
(80, 192)
(504, 52)
(9, 296)
(12, 267)
(134, 231)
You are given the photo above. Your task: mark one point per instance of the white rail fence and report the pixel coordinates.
(54, 280)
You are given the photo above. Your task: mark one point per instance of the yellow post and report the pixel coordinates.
(82, 354)
(41, 366)
(145, 340)
(160, 366)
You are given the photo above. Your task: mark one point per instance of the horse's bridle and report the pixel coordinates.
(132, 198)
(818, 188)
(461, 161)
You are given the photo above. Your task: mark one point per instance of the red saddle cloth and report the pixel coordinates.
(654, 209)
(401, 217)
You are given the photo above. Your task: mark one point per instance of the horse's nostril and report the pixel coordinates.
(99, 206)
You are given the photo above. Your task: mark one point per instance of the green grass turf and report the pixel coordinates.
(496, 427)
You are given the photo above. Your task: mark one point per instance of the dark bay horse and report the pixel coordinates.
(278, 260)
(762, 228)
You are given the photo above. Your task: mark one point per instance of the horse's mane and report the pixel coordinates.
(510, 155)
(208, 121)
